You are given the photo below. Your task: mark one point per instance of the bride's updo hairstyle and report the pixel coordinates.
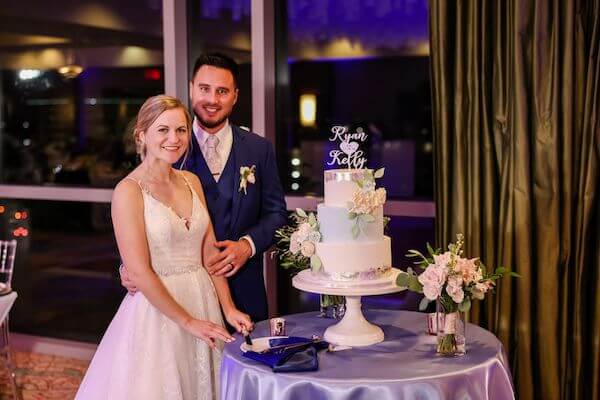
(152, 108)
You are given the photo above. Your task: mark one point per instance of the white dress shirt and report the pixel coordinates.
(225, 136)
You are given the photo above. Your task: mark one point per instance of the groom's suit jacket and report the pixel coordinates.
(257, 213)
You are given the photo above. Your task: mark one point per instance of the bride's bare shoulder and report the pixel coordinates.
(128, 188)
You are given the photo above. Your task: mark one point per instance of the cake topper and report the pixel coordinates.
(349, 154)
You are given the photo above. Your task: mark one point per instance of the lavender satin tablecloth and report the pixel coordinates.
(403, 367)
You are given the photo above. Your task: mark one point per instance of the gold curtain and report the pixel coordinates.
(516, 116)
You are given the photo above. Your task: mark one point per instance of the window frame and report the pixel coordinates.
(175, 53)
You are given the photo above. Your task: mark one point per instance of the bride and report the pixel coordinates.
(166, 342)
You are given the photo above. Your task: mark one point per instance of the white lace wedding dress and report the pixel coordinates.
(143, 354)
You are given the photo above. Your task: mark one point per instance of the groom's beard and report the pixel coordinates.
(210, 124)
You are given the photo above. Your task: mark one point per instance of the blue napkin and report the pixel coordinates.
(296, 359)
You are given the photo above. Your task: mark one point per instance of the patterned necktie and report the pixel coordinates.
(212, 157)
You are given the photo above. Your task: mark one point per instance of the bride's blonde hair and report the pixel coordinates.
(152, 108)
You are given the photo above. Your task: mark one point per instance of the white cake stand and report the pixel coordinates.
(353, 329)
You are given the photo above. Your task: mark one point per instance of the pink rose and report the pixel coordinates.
(455, 290)
(307, 249)
(469, 269)
(432, 292)
(303, 231)
(478, 291)
(294, 243)
(433, 279)
(442, 260)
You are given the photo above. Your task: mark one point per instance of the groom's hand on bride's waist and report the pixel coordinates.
(231, 258)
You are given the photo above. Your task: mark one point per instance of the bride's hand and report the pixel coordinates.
(208, 331)
(239, 320)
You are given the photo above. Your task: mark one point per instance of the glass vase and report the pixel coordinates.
(332, 306)
(451, 340)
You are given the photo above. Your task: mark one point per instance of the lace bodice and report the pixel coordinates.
(175, 243)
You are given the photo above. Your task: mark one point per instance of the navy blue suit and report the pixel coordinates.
(234, 214)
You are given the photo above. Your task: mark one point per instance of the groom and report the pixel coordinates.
(239, 176)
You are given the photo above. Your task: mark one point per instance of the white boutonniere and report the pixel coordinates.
(246, 176)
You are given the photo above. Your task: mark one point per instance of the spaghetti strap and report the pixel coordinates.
(190, 188)
(139, 183)
(185, 179)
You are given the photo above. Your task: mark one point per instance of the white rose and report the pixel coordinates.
(251, 178)
(303, 231)
(314, 236)
(307, 249)
(305, 228)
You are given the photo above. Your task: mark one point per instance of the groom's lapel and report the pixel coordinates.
(239, 158)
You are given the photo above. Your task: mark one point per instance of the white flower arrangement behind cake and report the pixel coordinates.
(297, 242)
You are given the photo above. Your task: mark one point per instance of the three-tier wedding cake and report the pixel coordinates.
(344, 244)
(353, 247)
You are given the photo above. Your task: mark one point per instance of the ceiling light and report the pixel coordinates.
(70, 71)
(27, 74)
(308, 110)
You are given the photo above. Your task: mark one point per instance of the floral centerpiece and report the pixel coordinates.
(453, 281)
(366, 200)
(296, 249)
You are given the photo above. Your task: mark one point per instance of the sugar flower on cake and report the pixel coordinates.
(366, 200)
(296, 243)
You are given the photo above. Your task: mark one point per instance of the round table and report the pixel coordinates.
(403, 366)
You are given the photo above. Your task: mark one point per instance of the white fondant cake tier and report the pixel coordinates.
(335, 226)
(349, 257)
(325, 282)
(340, 185)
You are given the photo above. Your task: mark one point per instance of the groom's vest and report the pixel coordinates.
(221, 201)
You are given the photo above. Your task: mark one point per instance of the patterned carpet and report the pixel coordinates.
(42, 376)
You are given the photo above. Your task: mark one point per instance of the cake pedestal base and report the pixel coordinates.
(353, 329)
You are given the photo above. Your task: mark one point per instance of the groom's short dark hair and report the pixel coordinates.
(218, 60)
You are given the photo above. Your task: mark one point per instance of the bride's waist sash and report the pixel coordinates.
(180, 270)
